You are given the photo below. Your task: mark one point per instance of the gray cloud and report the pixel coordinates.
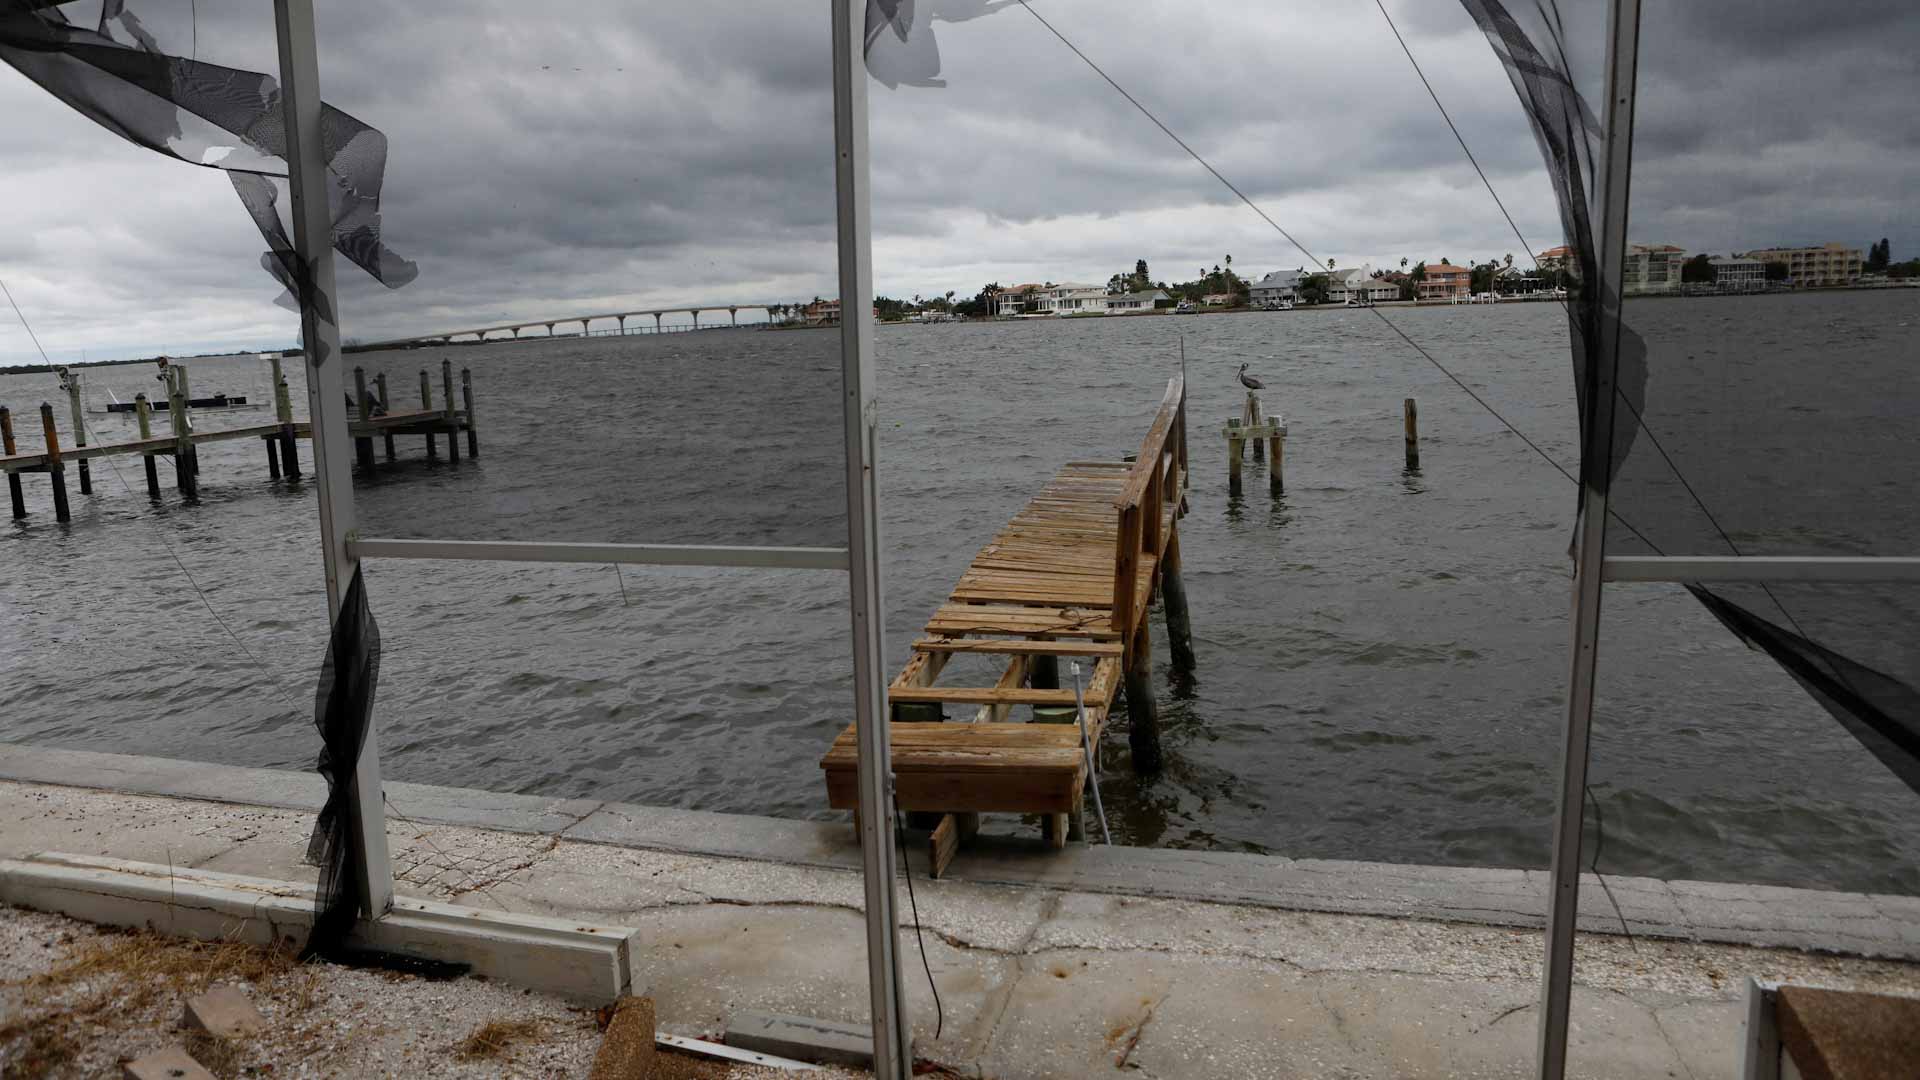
(551, 161)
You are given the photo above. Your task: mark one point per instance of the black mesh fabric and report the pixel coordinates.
(1771, 423)
(191, 110)
(342, 710)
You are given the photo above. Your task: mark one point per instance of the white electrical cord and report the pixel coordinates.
(1086, 748)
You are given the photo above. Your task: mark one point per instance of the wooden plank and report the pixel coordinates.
(1025, 646)
(953, 830)
(999, 792)
(1012, 621)
(980, 695)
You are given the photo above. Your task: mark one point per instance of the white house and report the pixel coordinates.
(1135, 302)
(1739, 275)
(1359, 285)
(1074, 299)
(1014, 301)
(1276, 288)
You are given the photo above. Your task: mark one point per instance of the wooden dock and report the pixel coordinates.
(1069, 579)
(280, 437)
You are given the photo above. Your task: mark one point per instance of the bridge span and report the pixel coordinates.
(479, 333)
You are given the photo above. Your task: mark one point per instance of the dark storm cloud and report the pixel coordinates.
(593, 157)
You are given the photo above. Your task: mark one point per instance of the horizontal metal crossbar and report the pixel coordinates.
(1845, 569)
(763, 558)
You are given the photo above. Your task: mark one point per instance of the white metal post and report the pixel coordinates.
(892, 1044)
(1563, 898)
(326, 397)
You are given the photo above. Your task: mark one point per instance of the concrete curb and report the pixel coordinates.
(1856, 924)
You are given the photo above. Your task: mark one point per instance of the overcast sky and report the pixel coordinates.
(631, 156)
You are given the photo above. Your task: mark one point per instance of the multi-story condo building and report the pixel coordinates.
(1738, 275)
(1814, 267)
(1653, 268)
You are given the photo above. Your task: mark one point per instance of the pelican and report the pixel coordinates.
(1249, 381)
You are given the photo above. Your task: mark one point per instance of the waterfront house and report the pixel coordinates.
(1653, 268)
(1073, 298)
(822, 313)
(1279, 287)
(1218, 299)
(1134, 303)
(1738, 274)
(1446, 282)
(1017, 300)
(1814, 267)
(1359, 286)
(1555, 259)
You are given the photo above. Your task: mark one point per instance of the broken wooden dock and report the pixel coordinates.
(1069, 578)
(280, 437)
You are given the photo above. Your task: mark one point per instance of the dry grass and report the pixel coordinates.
(127, 973)
(496, 1038)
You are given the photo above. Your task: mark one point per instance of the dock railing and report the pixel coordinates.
(1147, 509)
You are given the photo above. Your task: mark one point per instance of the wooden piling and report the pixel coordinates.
(56, 469)
(1173, 597)
(452, 415)
(1276, 457)
(1253, 420)
(182, 440)
(1412, 412)
(185, 429)
(79, 431)
(143, 412)
(283, 407)
(1143, 712)
(1234, 443)
(426, 404)
(13, 478)
(380, 381)
(363, 444)
(466, 396)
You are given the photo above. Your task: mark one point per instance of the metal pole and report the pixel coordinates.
(326, 398)
(1563, 898)
(892, 1046)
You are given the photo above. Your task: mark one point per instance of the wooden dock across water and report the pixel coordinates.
(279, 437)
(1069, 579)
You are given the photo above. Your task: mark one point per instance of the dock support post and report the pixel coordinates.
(271, 442)
(362, 444)
(1253, 420)
(1173, 597)
(79, 430)
(13, 478)
(1043, 672)
(1143, 712)
(143, 412)
(466, 397)
(1234, 444)
(452, 416)
(56, 469)
(1276, 457)
(186, 402)
(380, 382)
(182, 437)
(426, 404)
(1412, 415)
(283, 407)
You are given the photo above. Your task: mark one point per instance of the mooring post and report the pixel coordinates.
(363, 444)
(1143, 713)
(1173, 598)
(1413, 434)
(186, 402)
(1276, 456)
(466, 396)
(56, 469)
(380, 381)
(452, 416)
(426, 405)
(79, 430)
(182, 439)
(1253, 420)
(143, 412)
(283, 403)
(1234, 442)
(13, 478)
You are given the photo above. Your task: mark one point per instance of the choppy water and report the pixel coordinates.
(1382, 654)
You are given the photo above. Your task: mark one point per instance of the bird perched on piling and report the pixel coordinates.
(1249, 381)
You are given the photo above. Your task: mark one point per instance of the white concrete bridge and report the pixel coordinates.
(619, 318)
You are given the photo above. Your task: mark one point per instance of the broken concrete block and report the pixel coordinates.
(626, 1050)
(223, 1011)
(802, 1038)
(173, 1063)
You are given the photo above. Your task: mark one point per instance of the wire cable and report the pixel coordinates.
(906, 866)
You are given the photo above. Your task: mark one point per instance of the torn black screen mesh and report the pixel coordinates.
(343, 709)
(188, 109)
(1768, 421)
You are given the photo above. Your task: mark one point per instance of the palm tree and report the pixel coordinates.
(1509, 260)
(1329, 264)
(1403, 262)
